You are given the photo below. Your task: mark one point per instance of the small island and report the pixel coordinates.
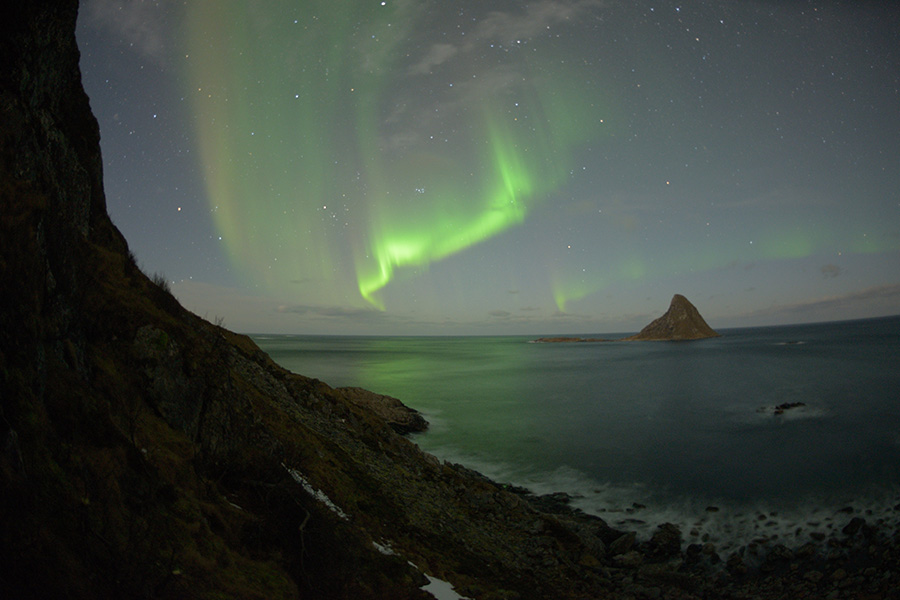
(681, 322)
(553, 340)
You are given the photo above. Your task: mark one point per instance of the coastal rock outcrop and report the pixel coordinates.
(681, 322)
(400, 417)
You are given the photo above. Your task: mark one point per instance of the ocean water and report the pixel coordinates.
(642, 433)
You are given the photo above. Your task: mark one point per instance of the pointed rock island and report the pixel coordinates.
(681, 322)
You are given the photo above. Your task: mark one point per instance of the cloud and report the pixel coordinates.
(507, 27)
(437, 55)
(830, 271)
(467, 77)
(256, 314)
(333, 312)
(560, 314)
(250, 313)
(785, 197)
(141, 24)
(870, 302)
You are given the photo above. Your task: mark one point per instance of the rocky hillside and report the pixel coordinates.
(146, 453)
(681, 322)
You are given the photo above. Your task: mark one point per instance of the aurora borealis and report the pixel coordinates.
(479, 167)
(325, 119)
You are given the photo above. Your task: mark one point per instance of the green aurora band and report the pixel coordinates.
(293, 110)
(338, 159)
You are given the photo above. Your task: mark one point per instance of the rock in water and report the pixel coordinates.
(681, 322)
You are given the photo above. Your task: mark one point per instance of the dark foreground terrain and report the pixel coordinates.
(146, 453)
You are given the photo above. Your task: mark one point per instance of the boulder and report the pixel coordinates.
(623, 544)
(665, 543)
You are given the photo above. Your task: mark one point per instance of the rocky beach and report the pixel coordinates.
(145, 452)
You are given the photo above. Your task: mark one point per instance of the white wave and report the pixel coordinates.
(791, 412)
(729, 525)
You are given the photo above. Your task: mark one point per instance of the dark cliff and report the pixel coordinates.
(681, 322)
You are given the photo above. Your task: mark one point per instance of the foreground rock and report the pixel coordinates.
(781, 408)
(681, 322)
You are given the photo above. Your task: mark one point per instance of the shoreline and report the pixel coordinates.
(836, 550)
(846, 552)
(714, 550)
(730, 523)
(729, 528)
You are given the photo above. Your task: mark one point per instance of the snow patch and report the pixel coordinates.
(385, 548)
(441, 589)
(317, 494)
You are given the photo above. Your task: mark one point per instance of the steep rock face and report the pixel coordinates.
(681, 322)
(52, 172)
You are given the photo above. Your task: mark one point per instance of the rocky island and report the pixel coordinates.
(681, 322)
(148, 453)
(563, 340)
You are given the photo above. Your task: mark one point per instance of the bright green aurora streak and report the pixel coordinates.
(329, 149)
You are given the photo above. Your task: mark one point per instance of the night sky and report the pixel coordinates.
(493, 167)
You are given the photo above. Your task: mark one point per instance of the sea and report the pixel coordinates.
(764, 435)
